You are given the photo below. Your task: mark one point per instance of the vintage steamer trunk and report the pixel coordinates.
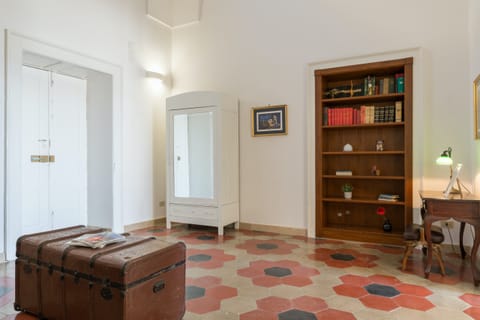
(141, 278)
(29, 247)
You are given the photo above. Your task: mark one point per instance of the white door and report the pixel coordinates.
(53, 151)
(35, 143)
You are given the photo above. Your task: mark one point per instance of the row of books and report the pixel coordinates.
(388, 197)
(371, 86)
(343, 172)
(363, 114)
(384, 85)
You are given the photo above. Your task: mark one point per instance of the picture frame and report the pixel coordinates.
(269, 120)
(476, 98)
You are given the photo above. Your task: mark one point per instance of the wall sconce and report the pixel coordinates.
(155, 75)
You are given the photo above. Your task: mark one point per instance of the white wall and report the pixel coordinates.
(259, 51)
(99, 149)
(118, 32)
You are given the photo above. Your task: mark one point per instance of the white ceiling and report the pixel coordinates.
(174, 13)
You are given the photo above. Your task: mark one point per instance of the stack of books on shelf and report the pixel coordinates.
(388, 197)
(362, 114)
(343, 172)
(386, 85)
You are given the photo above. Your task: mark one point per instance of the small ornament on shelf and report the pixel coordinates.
(348, 147)
(369, 87)
(379, 145)
(387, 226)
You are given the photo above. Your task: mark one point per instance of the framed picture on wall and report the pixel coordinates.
(269, 120)
(476, 97)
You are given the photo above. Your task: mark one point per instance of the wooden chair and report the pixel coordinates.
(414, 236)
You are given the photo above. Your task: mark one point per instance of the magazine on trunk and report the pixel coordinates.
(97, 240)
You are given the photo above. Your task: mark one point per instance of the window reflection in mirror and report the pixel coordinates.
(193, 155)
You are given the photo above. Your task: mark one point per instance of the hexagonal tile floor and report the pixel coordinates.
(247, 275)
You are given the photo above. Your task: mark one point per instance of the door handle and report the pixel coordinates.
(42, 158)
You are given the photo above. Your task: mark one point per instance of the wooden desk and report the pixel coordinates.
(463, 209)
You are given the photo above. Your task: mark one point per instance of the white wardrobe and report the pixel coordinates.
(202, 159)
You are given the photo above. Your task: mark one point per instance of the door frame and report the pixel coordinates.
(15, 45)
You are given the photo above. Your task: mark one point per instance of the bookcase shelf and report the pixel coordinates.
(385, 170)
(361, 153)
(365, 201)
(364, 125)
(355, 177)
(364, 99)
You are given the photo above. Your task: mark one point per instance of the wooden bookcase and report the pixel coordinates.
(340, 94)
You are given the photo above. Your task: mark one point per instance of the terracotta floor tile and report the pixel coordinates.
(258, 314)
(222, 292)
(350, 290)
(203, 305)
(332, 314)
(274, 304)
(355, 280)
(384, 279)
(378, 302)
(311, 304)
(413, 289)
(473, 312)
(472, 299)
(297, 281)
(413, 302)
(267, 281)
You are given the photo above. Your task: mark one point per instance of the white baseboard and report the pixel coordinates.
(145, 224)
(274, 229)
(243, 226)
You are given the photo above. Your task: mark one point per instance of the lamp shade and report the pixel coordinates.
(445, 158)
(444, 161)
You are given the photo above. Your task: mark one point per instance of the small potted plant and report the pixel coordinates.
(347, 190)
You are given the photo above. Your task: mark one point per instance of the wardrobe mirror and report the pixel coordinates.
(193, 155)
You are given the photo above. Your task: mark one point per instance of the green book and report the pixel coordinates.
(400, 82)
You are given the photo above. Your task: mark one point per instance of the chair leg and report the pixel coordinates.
(438, 253)
(408, 251)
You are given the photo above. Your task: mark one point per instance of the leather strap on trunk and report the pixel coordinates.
(128, 245)
(21, 238)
